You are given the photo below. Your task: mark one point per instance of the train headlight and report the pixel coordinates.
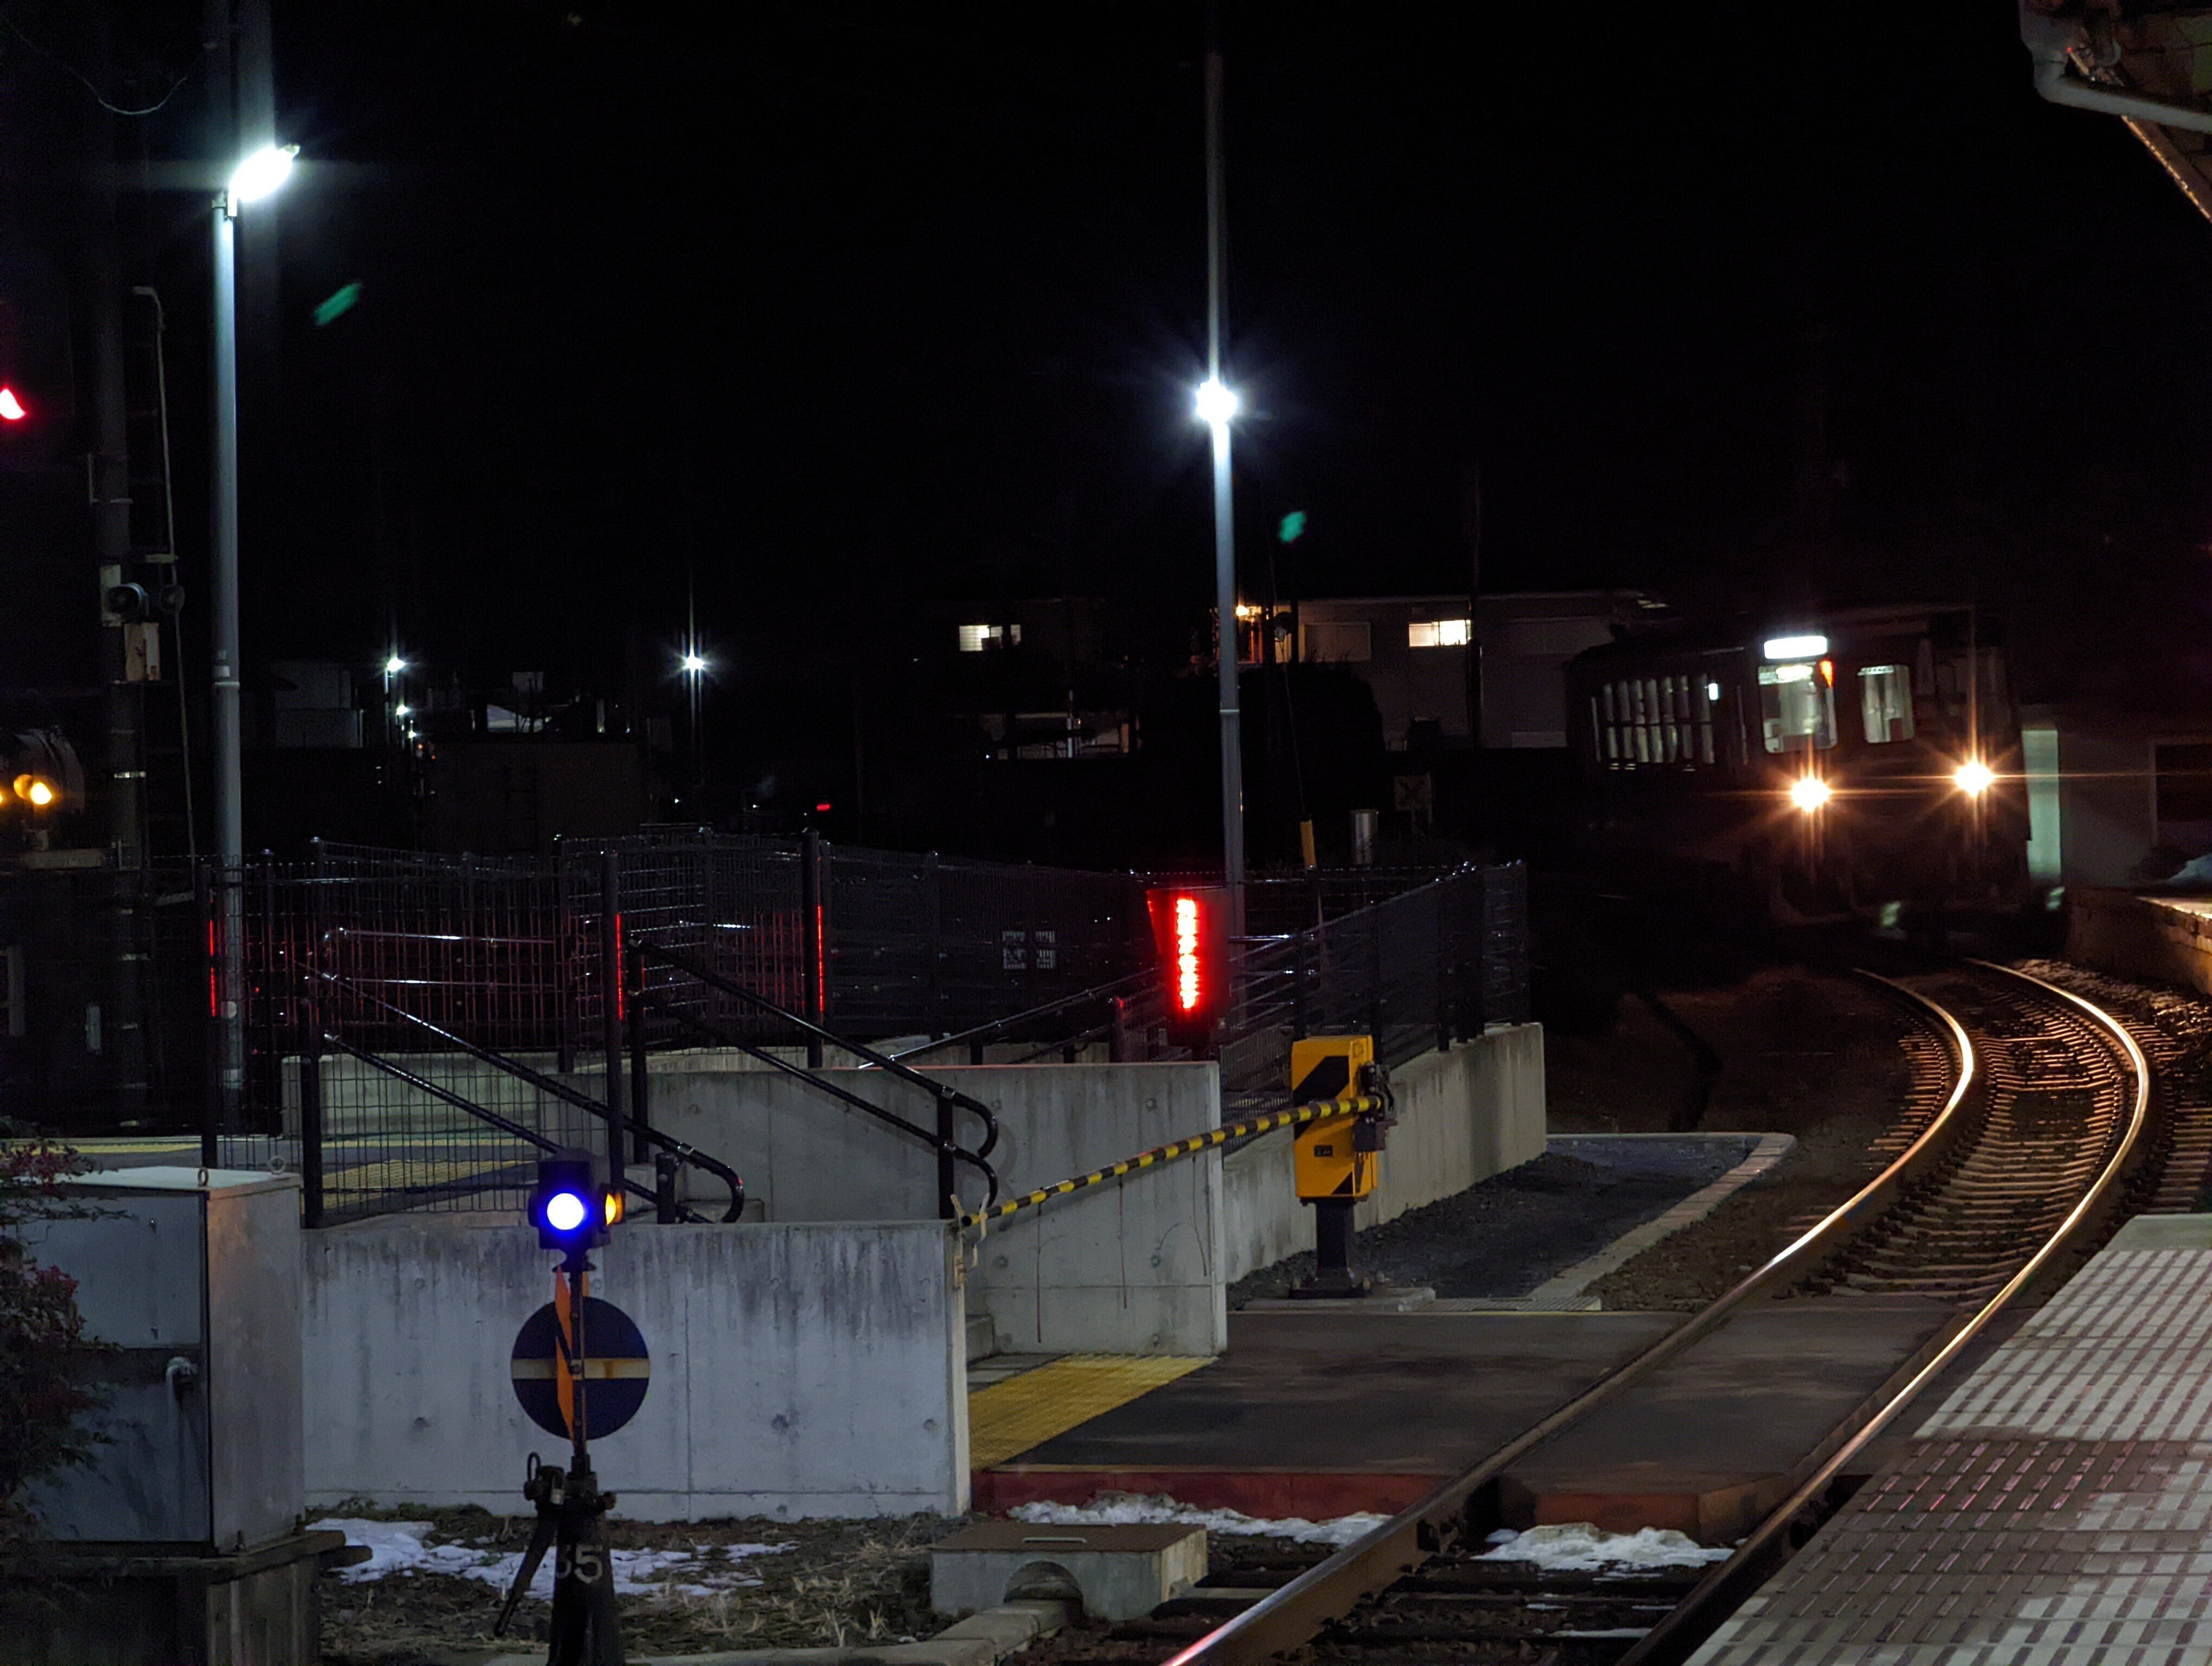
(1809, 793)
(1973, 778)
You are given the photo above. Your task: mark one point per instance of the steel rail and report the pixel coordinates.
(1288, 1617)
(1717, 1595)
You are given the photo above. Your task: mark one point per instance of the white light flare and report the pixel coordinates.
(261, 172)
(1974, 777)
(565, 1211)
(1217, 405)
(1809, 793)
(1795, 647)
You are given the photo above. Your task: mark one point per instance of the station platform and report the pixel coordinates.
(1324, 1413)
(2148, 936)
(2054, 1510)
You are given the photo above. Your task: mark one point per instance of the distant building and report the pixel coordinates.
(1447, 666)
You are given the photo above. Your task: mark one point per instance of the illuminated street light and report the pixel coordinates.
(693, 665)
(256, 174)
(394, 666)
(261, 172)
(1217, 404)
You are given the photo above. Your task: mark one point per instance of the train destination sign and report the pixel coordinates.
(617, 1370)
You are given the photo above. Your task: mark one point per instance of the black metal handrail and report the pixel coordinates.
(681, 1151)
(980, 1034)
(948, 1097)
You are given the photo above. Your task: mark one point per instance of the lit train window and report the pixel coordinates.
(1797, 707)
(1886, 703)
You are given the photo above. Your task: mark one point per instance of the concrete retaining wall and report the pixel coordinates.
(1144, 1282)
(2162, 939)
(798, 1370)
(1462, 1116)
(1130, 1267)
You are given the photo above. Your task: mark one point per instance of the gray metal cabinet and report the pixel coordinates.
(192, 1278)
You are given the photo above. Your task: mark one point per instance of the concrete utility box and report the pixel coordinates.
(1121, 1572)
(192, 1276)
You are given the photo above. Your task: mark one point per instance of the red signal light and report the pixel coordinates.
(12, 408)
(1191, 928)
(823, 808)
(1189, 975)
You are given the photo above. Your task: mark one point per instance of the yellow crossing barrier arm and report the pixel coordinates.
(1319, 1110)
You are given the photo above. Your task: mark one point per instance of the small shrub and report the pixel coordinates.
(42, 1393)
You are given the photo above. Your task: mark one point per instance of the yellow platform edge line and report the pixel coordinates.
(1010, 1417)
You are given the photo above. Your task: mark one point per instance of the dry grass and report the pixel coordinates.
(838, 1583)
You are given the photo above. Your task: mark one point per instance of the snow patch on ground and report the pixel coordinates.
(1126, 1509)
(1579, 1547)
(406, 1548)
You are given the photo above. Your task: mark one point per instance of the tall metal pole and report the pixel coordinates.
(229, 820)
(1225, 540)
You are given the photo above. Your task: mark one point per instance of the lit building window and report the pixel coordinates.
(974, 638)
(1338, 640)
(1438, 632)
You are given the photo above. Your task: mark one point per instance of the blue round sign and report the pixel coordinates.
(617, 1370)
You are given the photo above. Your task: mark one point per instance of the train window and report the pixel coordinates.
(1886, 703)
(1798, 707)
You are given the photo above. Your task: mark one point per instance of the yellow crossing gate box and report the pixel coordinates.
(1330, 1162)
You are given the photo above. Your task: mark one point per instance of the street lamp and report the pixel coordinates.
(1215, 405)
(254, 178)
(694, 664)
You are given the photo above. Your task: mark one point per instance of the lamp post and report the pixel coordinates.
(255, 178)
(695, 667)
(1215, 405)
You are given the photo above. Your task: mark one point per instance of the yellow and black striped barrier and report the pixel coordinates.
(1319, 1110)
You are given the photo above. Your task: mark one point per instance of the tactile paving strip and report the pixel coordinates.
(1010, 1417)
(2055, 1511)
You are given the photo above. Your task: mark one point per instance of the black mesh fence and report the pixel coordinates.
(453, 1007)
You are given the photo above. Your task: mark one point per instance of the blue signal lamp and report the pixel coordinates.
(572, 1208)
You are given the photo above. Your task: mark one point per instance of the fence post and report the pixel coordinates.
(211, 1103)
(1443, 912)
(311, 1131)
(564, 986)
(641, 1094)
(1376, 1014)
(812, 970)
(610, 1002)
(935, 993)
(945, 1183)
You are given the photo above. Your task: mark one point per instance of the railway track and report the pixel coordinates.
(2012, 1158)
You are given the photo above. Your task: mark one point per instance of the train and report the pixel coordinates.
(1854, 763)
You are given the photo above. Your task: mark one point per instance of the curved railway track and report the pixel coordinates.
(2030, 1108)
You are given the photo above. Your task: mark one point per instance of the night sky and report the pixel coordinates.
(854, 309)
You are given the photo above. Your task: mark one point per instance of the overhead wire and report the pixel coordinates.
(85, 81)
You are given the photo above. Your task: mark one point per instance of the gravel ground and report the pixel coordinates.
(1509, 1234)
(840, 1582)
(1801, 1053)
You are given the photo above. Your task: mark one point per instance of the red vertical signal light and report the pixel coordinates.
(12, 408)
(1191, 928)
(1190, 980)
